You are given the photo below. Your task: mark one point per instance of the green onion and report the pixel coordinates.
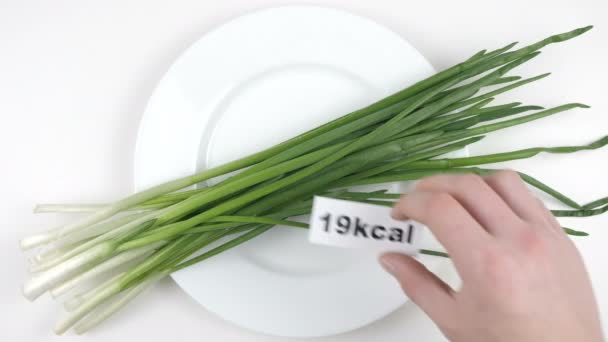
(132, 243)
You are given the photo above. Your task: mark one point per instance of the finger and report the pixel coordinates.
(451, 224)
(549, 218)
(509, 186)
(424, 288)
(478, 198)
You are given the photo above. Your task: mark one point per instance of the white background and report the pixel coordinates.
(75, 77)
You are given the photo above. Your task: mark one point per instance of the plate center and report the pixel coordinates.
(271, 107)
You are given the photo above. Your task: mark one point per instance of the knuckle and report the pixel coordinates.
(428, 182)
(467, 180)
(533, 242)
(506, 176)
(491, 256)
(439, 202)
(497, 266)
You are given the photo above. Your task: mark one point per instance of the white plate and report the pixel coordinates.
(251, 83)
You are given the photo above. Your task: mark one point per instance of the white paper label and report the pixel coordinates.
(342, 223)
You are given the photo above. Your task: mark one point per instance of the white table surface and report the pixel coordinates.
(75, 77)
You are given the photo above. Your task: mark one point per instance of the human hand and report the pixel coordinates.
(522, 277)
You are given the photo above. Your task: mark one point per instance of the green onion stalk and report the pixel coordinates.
(132, 243)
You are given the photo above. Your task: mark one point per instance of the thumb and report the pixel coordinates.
(424, 288)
